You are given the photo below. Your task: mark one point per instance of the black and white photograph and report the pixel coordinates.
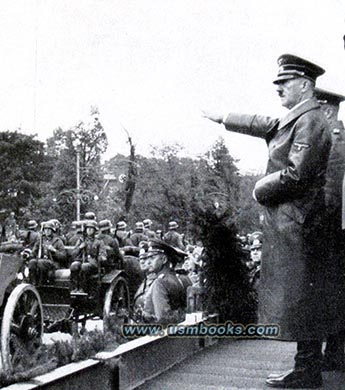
(172, 194)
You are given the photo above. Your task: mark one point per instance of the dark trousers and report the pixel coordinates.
(80, 274)
(39, 270)
(309, 357)
(335, 346)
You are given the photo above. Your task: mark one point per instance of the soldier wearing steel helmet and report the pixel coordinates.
(48, 254)
(172, 237)
(88, 257)
(122, 235)
(114, 256)
(76, 233)
(32, 235)
(148, 230)
(10, 226)
(138, 234)
(71, 232)
(90, 216)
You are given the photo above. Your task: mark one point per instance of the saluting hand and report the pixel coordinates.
(213, 116)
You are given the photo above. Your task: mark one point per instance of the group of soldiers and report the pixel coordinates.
(89, 248)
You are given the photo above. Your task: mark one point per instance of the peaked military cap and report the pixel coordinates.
(291, 66)
(327, 97)
(173, 254)
(257, 244)
(257, 235)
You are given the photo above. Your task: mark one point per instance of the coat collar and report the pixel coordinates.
(294, 113)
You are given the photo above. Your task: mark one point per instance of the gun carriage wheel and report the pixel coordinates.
(22, 326)
(116, 305)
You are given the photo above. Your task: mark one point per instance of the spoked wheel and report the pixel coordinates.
(22, 326)
(116, 305)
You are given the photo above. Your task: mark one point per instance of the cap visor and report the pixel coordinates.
(281, 79)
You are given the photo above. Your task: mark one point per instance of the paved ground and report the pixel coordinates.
(228, 365)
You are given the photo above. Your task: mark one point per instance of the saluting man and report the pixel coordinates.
(292, 280)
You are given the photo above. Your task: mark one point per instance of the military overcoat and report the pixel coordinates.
(336, 235)
(294, 277)
(166, 299)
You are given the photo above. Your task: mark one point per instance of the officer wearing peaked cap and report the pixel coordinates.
(292, 67)
(330, 103)
(140, 295)
(334, 358)
(291, 290)
(166, 299)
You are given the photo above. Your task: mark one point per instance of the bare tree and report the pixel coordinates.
(131, 175)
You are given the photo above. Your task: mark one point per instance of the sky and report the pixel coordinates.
(151, 66)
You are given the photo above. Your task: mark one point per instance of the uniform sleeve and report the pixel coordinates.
(305, 167)
(160, 300)
(60, 253)
(76, 251)
(180, 244)
(116, 249)
(254, 125)
(36, 248)
(102, 252)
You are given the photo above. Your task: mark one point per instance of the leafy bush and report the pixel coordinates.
(226, 281)
(60, 353)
